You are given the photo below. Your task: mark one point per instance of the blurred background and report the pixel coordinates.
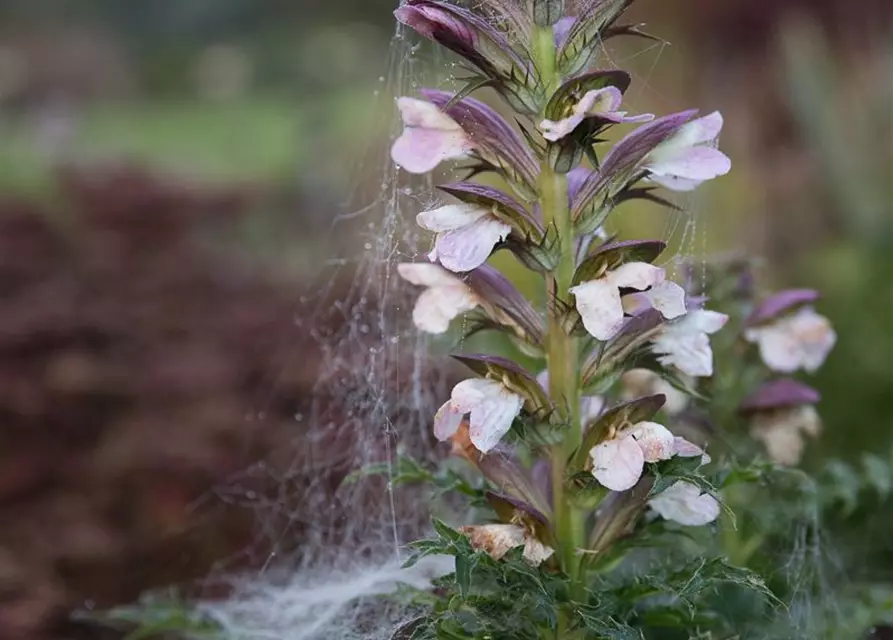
(169, 176)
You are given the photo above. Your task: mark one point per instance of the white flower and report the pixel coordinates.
(601, 308)
(603, 103)
(499, 539)
(684, 503)
(430, 136)
(643, 382)
(684, 343)
(591, 407)
(800, 340)
(618, 463)
(444, 298)
(782, 431)
(690, 156)
(492, 408)
(466, 235)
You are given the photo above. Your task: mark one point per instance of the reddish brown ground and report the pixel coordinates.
(131, 356)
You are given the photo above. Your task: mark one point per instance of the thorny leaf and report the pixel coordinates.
(610, 256)
(588, 32)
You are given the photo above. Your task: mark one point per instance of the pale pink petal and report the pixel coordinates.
(492, 419)
(685, 345)
(599, 101)
(656, 441)
(674, 183)
(684, 503)
(602, 102)
(447, 421)
(643, 117)
(636, 275)
(816, 337)
(686, 449)
(437, 306)
(421, 150)
(690, 353)
(668, 298)
(699, 132)
(426, 274)
(779, 347)
(694, 163)
(708, 321)
(425, 115)
(469, 247)
(705, 129)
(600, 308)
(554, 130)
(688, 158)
(617, 464)
(470, 393)
(451, 217)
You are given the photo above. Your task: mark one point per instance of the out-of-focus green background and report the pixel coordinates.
(169, 172)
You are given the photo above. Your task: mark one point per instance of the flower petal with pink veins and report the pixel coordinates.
(656, 441)
(600, 307)
(684, 503)
(469, 247)
(429, 137)
(470, 393)
(617, 464)
(447, 421)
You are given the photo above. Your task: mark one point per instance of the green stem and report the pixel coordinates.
(562, 349)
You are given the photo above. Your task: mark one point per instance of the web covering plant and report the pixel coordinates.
(574, 487)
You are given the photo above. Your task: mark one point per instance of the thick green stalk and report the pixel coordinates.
(562, 349)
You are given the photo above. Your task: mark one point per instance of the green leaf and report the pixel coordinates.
(878, 474)
(464, 567)
(155, 618)
(446, 533)
(605, 626)
(669, 472)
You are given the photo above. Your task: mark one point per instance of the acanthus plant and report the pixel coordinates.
(577, 466)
